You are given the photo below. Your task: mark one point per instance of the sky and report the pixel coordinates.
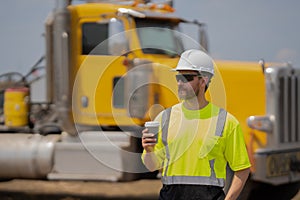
(249, 30)
(237, 29)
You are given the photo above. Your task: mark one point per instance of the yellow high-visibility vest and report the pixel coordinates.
(195, 146)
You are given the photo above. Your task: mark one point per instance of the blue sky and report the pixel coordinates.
(237, 29)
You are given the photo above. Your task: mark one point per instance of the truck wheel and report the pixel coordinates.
(136, 146)
(254, 190)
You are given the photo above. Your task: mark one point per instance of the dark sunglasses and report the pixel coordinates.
(186, 77)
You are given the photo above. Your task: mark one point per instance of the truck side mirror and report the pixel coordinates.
(203, 39)
(117, 42)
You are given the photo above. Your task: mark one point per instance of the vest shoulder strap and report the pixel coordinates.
(221, 122)
(165, 124)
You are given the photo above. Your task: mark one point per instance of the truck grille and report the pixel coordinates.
(289, 108)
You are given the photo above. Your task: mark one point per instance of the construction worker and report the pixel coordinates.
(197, 141)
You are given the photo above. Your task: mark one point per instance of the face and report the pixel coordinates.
(188, 84)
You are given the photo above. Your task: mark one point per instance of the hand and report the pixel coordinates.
(148, 140)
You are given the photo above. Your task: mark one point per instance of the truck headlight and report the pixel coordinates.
(261, 123)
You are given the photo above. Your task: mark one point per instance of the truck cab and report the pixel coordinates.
(118, 58)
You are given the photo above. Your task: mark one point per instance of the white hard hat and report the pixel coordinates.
(195, 60)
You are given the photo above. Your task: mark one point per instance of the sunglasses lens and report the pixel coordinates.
(179, 78)
(185, 77)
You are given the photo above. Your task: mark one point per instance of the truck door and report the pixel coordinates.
(99, 60)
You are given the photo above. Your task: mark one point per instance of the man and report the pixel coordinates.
(197, 141)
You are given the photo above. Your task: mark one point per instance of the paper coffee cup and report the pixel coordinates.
(152, 126)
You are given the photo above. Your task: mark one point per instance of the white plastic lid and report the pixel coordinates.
(152, 124)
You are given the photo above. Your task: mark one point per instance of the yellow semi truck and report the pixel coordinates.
(108, 72)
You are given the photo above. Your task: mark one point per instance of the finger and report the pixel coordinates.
(147, 145)
(149, 141)
(148, 135)
(145, 131)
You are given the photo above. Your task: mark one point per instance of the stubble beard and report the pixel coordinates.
(187, 94)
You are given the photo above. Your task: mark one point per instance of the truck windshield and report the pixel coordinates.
(158, 37)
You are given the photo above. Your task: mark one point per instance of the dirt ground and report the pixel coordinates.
(79, 190)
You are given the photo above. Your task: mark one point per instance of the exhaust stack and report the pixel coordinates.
(58, 65)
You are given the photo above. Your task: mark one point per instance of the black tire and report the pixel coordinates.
(143, 173)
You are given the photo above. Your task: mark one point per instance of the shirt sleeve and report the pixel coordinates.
(236, 152)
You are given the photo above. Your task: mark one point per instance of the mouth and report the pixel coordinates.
(181, 92)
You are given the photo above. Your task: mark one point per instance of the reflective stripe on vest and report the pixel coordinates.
(212, 180)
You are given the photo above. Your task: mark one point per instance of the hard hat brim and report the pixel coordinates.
(184, 69)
